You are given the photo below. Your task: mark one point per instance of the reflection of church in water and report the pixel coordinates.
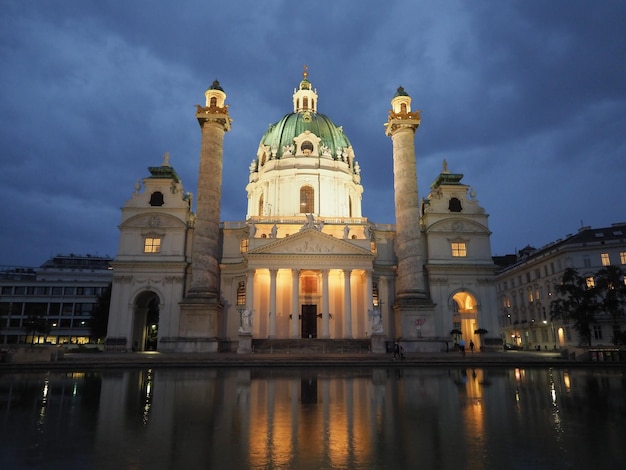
(305, 263)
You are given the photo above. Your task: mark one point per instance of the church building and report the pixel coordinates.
(306, 264)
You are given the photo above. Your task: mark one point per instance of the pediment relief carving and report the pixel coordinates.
(311, 241)
(157, 221)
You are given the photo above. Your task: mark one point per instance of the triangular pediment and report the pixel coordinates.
(311, 242)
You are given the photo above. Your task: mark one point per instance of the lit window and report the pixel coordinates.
(375, 299)
(241, 293)
(152, 245)
(590, 282)
(605, 259)
(307, 197)
(622, 257)
(459, 249)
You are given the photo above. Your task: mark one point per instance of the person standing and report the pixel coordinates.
(462, 347)
(471, 346)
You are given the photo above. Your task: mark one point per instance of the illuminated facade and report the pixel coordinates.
(306, 263)
(528, 285)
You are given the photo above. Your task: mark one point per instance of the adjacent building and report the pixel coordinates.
(305, 262)
(54, 302)
(527, 282)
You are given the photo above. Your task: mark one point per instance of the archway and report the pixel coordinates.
(465, 317)
(146, 322)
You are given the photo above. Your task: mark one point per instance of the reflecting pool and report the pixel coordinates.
(310, 418)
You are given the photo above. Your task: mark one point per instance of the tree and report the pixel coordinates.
(611, 292)
(100, 315)
(577, 302)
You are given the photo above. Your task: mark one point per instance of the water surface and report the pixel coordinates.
(335, 418)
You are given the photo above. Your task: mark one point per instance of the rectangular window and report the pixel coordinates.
(243, 246)
(375, 299)
(597, 332)
(152, 245)
(57, 291)
(586, 261)
(459, 249)
(622, 257)
(241, 293)
(6, 290)
(606, 261)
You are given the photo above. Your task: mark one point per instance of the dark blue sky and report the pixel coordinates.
(526, 98)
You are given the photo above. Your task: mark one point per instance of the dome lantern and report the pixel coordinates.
(305, 98)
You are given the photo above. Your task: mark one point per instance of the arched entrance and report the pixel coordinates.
(146, 322)
(465, 317)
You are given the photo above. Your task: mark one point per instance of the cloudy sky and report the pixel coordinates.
(526, 98)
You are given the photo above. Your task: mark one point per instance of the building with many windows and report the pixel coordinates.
(54, 302)
(305, 262)
(526, 286)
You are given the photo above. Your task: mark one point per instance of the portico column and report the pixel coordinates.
(325, 305)
(295, 302)
(272, 332)
(250, 292)
(347, 303)
(369, 305)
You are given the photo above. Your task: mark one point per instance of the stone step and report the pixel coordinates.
(311, 345)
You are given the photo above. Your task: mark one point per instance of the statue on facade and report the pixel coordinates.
(274, 231)
(377, 321)
(346, 232)
(245, 321)
(252, 229)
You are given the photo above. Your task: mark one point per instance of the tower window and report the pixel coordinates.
(349, 206)
(152, 245)
(307, 200)
(156, 198)
(454, 205)
(305, 103)
(403, 107)
(213, 102)
(459, 249)
(261, 205)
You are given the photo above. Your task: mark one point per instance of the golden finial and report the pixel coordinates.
(305, 74)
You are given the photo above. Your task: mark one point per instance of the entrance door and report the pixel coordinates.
(309, 321)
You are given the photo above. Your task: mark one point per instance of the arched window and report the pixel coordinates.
(213, 102)
(403, 108)
(156, 198)
(307, 200)
(306, 147)
(349, 206)
(261, 205)
(454, 205)
(305, 103)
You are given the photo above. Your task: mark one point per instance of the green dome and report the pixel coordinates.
(293, 124)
